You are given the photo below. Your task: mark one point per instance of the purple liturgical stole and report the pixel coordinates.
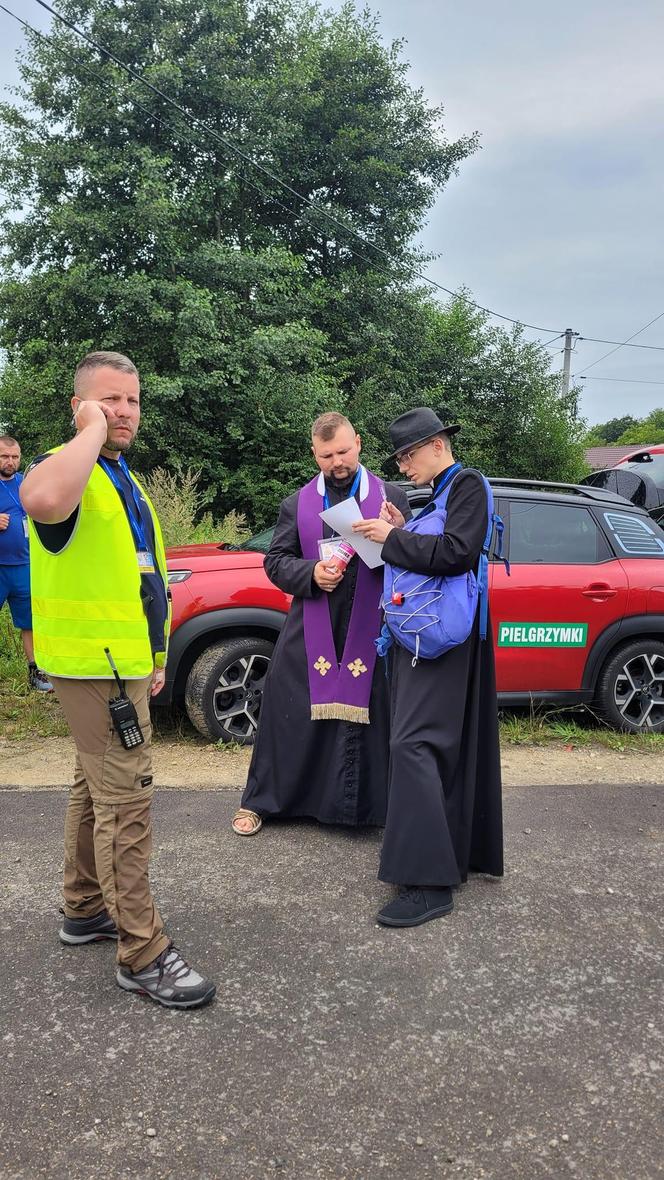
(340, 691)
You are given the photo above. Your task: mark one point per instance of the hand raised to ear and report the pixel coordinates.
(90, 413)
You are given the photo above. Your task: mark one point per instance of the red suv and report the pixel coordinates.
(579, 619)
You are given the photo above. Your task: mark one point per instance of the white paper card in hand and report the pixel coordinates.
(341, 518)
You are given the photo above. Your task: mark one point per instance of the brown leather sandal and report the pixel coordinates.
(245, 813)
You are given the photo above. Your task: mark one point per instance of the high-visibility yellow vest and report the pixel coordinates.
(88, 596)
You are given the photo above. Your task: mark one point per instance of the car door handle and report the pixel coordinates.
(599, 591)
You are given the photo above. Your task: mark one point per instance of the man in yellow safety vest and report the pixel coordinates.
(99, 589)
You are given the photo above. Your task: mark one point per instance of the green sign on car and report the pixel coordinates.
(542, 634)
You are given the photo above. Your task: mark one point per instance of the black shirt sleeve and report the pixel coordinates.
(55, 537)
(284, 563)
(458, 550)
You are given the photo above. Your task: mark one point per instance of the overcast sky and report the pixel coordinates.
(557, 220)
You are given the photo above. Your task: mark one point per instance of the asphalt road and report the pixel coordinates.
(520, 1037)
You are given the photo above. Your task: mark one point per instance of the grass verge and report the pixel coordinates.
(23, 712)
(572, 729)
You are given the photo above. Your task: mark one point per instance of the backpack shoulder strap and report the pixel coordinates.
(495, 527)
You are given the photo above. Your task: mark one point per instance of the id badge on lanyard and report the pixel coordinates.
(326, 547)
(145, 558)
(145, 561)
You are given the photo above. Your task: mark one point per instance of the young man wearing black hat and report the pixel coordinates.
(444, 814)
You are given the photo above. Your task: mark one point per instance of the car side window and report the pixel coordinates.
(556, 534)
(647, 464)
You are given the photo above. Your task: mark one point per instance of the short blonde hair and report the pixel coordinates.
(326, 425)
(99, 360)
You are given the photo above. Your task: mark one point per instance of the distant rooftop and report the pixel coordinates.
(600, 457)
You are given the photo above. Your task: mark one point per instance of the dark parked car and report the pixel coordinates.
(638, 477)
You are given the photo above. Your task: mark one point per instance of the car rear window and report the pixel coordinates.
(555, 534)
(634, 535)
(652, 465)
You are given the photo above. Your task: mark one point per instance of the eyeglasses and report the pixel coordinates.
(403, 460)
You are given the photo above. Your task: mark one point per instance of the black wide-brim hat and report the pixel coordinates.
(416, 426)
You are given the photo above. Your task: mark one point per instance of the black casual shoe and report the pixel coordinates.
(76, 931)
(169, 980)
(413, 906)
(38, 679)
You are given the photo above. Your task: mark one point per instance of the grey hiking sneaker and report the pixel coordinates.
(169, 980)
(76, 931)
(38, 679)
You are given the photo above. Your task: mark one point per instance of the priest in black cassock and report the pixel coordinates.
(444, 815)
(322, 746)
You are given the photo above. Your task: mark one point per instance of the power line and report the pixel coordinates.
(339, 225)
(622, 345)
(629, 380)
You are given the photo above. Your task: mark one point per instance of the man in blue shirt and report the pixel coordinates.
(15, 556)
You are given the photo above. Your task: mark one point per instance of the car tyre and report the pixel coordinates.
(225, 689)
(630, 689)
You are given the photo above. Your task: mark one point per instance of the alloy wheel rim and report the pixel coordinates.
(638, 691)
(237, 695)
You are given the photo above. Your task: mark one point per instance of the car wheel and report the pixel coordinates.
(630, 690)
(225, 689)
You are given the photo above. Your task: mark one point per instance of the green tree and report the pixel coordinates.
(141, 234)
(607, 433)
(516, 422)
(246, 311)
(647, 430)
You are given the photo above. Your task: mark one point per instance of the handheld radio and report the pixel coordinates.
(123, 713)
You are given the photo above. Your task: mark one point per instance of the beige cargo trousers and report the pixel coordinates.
(108, 831)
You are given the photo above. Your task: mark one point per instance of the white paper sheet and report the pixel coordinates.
(341, 518)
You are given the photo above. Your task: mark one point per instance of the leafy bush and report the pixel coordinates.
(180, 504)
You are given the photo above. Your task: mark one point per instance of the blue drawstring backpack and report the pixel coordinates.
(429, 614)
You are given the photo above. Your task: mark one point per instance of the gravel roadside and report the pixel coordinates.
(47, 763)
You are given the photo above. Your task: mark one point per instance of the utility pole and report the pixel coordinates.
(567, 357)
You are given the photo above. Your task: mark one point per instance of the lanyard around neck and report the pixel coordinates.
(133, 513)
(446, 479)
(5, 483)
(353, 489)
